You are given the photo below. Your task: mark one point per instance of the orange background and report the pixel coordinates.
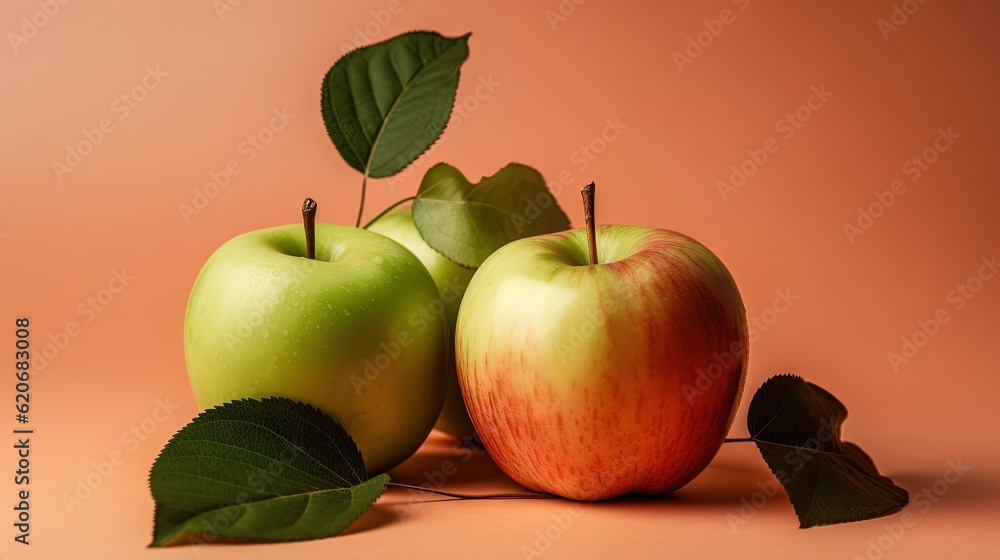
(782, 230)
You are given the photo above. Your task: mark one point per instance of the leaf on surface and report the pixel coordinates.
(796, 426)
(262, 470)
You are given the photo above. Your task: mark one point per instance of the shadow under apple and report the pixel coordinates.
(443, 463)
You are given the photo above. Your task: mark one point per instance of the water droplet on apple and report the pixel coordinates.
(284, 332)
(303, 293)
(378, 260)
(265, 333)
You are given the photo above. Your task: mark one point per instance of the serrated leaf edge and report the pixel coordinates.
(367, 164)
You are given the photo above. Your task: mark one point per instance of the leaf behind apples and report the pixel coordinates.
(383, 105)
(796, 426)
(263, 470)
(466, 222)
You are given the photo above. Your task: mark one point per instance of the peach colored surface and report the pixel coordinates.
(535, 89)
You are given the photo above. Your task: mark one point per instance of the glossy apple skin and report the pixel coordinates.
(452, 281)
(575, 375)
(347, 332)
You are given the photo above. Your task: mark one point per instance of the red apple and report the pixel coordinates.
(580, 378)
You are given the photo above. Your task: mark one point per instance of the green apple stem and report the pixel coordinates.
(588, 214)
(309, 221)
(520, 495)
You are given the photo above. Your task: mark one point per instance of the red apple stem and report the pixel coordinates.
(309, 221)
(519, 495)
(588, 215)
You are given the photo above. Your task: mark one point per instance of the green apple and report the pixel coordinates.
(580, 378)
(451, 280)
(348, 332)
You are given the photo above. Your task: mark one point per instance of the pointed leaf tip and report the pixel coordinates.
(385, 104)
(796, 426)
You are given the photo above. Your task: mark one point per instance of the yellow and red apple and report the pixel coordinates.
(574, 373)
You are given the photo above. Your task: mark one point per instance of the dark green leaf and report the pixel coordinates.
(796, 426)
(385, 104)
(467, 222)
(270, 470)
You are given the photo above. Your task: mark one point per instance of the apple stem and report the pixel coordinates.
(736, 440)
(309, 221)
(519, 495)
(588, 215)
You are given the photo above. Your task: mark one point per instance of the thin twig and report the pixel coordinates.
(521, 495)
